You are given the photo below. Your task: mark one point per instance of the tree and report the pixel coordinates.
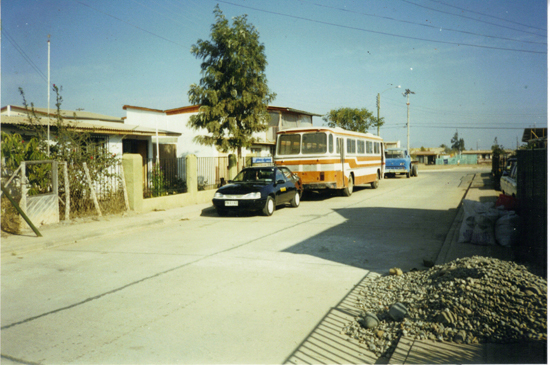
(456, 143)
(353, 119)
(496, 148)
(232, 93)
(446, 148)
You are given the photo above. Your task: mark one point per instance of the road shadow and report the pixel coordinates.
(379, 238)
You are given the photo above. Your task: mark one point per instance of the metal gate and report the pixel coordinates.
(42, 208)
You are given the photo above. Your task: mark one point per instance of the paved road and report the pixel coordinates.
(245, 289)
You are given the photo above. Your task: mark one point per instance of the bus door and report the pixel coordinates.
(340, 146)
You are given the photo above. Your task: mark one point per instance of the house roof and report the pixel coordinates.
(534, 134)
(94, 126)
(195, 109)
(12, 110)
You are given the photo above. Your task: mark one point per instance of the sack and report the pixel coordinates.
(484, 230)
(472, 209)
(507, 229)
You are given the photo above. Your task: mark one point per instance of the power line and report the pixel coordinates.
(425, 25)
(130, 24)
(23, 54)
(382, 33)
(474, 19)
(488, 15)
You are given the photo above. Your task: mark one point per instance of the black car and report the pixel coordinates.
(259, 189)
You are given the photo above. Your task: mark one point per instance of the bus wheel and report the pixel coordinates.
(375, 183)
(349, 189)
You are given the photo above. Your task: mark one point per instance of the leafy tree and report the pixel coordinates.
(457, 144)
(446, 148)
(232, 93)
(353, 119)
(497, 148)
(16, 150)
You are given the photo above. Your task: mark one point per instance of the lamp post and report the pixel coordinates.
(378, 106)
(407, 93)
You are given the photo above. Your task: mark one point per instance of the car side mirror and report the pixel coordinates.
(280, 182)
(505, 173)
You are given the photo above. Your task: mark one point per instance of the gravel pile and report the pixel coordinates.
(469, 300)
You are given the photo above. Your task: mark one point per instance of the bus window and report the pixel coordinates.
(289, 144)
(330, 143)
(314, 143)
(361, 147)
(376, 147)
(369, 147)
(351, 145)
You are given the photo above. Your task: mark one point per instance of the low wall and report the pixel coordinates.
(133, 174)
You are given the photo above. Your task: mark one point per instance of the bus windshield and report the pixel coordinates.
(289, 144)
(314, 143)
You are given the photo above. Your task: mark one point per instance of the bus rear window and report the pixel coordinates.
(314, 143)
(289, 144)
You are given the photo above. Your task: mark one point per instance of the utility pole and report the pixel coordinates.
(48, 141)
(378, 106)
(407, 93)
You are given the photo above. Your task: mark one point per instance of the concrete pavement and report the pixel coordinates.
(408, 351)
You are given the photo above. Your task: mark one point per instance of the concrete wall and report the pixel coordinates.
(133, 174)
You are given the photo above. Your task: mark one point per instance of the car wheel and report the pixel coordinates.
(374, 184)
(296, 200)
(408, 175)
(349, 189)
(269, 207)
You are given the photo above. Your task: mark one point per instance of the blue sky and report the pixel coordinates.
(479, 67)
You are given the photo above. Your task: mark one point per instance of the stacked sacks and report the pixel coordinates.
(485, 224)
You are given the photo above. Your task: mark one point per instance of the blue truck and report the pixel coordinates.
(398, 161)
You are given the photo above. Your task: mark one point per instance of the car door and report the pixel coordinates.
(283, 189)
(291, 182)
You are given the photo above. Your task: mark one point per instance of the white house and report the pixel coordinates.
(177, 119)
(119, 137)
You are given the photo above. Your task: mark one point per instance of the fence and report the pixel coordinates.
(212, 172)
(532, 180)
(166, 177)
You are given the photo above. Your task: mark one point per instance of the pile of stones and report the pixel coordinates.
(469, 300)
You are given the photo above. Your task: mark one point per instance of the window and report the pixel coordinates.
(279, 176)
(369, 147)
(376, 147)
(314, 143)
(351, 145)
(289, 144)
(330, 143)
(361, 147)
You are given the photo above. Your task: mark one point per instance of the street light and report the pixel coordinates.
(378, 106)
(407, 93)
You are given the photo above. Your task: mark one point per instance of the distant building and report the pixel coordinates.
(538, 137)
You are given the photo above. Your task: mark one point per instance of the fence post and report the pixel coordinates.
(133, 175)
(191, 168)
(232, 166)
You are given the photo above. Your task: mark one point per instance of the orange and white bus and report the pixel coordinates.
(331, 158)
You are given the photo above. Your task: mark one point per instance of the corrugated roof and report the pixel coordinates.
(66, 114)
(96, 126)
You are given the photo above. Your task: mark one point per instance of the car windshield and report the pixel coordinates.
(394, 154)
(255, 176)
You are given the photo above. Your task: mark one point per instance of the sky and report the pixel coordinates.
(478, 68)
